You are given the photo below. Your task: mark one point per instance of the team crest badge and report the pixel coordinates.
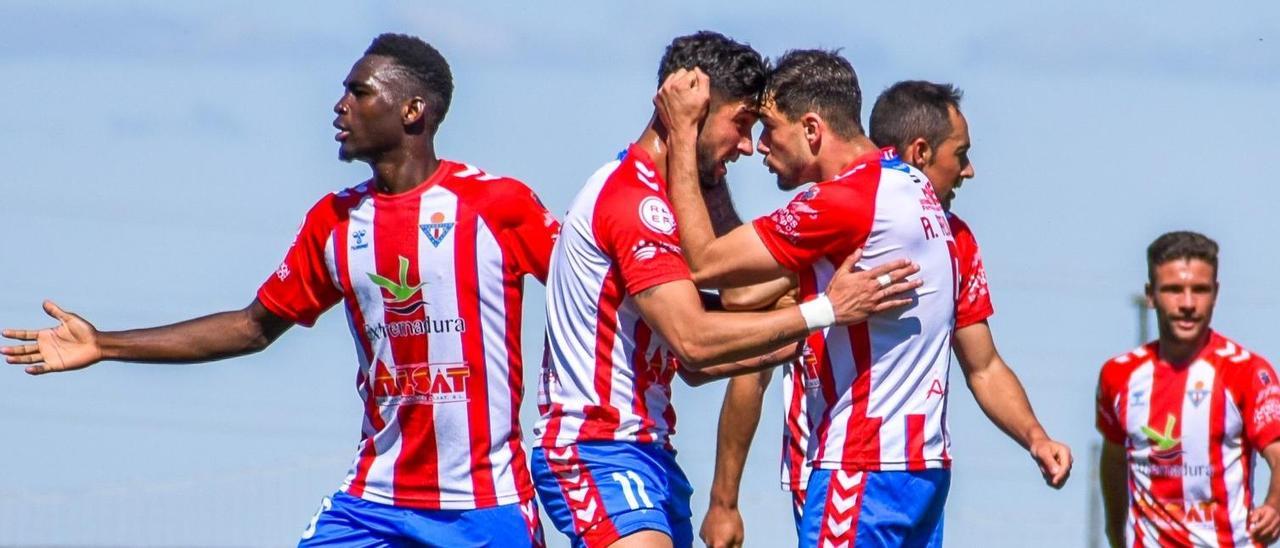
(1264, 377)
(437, 229)
(1197, 394)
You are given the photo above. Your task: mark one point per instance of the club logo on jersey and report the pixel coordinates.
(1198, 393)
(1164, 443)
(437, 229)
(1264, 378)
(396, 295)
(358, 239)
(655, 215)
(428, 383)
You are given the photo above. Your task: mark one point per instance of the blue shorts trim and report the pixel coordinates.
(349, 522)
(598, 492)
(874, 509)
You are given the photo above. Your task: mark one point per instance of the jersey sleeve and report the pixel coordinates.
(301, 288)
(973, 301)
(638, 231)
(827, 219)
(1107, 418)
(1261, 404)
(531, 231)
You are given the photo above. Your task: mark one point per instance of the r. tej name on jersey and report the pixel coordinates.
(422, 383)
(411, 328)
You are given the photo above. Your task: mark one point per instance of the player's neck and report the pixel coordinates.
(1178, 353)
(403, 169)
(836, 155)
(653, 141)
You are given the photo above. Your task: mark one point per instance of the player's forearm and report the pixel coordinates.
(756, 296)
(1271, 453)
(749, 366)
(212, 337)
(1002, 398)
(739, 417)
(1113, 478)
(693, 223)
(716, 338)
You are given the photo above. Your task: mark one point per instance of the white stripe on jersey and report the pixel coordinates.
(493, 314)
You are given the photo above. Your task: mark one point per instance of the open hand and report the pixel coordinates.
(857, 294)
(72, 345)
(683, 100)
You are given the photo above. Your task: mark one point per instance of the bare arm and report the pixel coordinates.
(1114, 478)
(1002, 398)
(76, 344)
(757, 296)
(1264, 520)
(758, 364)
(739, 417)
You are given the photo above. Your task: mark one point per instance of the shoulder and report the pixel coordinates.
(1235, 358)
(336, 206)
(1117, 369)
(493, 195)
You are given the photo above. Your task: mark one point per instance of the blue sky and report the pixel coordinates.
(161, 154)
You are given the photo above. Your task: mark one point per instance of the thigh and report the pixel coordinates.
(511, 525)
(348, 522)
(933, 487)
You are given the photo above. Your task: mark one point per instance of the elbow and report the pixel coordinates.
(693, 355)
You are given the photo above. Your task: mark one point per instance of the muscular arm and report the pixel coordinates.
(739, 417)
(1114, 479)
(1002, 398)
(75, 343)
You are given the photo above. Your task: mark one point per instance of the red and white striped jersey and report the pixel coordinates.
(433, 281)
(607, 375)
(880, 402)
(1189, 434)
(973, 305)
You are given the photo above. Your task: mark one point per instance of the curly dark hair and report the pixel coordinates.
(813, 80)
(1181, 245)
(425, 70)
(737, 72)
(914, 109)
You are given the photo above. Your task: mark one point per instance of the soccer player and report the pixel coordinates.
(428, 257)
(922, 121)
(878, 387)
(624, 317)
(1182, 416)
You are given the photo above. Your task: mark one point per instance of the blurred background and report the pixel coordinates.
(158, 157)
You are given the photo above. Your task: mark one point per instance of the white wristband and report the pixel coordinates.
(818, 313)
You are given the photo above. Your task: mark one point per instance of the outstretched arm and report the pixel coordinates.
(1002, 398)
(739, 417)
(75, 344)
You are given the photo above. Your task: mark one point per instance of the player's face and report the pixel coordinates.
(1183, 293)
(369, 116)
(949, 166)
(785, 149)
(725, 135)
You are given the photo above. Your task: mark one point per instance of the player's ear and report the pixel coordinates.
(918, 153)
(413, 111)
(1151, 298)
(812, 126)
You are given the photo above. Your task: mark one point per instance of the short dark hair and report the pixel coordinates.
(426, 69)
(737, 72)
(1184, 245)
(813, 80)
(914, 109)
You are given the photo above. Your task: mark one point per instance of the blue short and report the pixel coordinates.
(598, 492)
(874, 509)
(347, 521)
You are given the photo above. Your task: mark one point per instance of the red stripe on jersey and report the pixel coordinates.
(1169, 387)
(417, 469)
(862, 436)
(467, 284)
(915, 442)
(642, 370)
(1217, 481)
(363, 382)
(602, 419)
(514, 296)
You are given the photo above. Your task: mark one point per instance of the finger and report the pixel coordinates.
(38, 370)
(56, 312)
(850, 261)
(19, 350)
(25, 360)
(883, 306)
(890, 268)
(21, 334)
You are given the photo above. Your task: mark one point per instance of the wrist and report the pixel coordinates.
(724, 503)
(1036, 435)
(818, 313)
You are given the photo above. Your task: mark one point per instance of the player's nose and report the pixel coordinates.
(967, 172)
(744, 147)
(762, 147)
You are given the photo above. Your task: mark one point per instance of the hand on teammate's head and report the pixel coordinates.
(683, 100)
